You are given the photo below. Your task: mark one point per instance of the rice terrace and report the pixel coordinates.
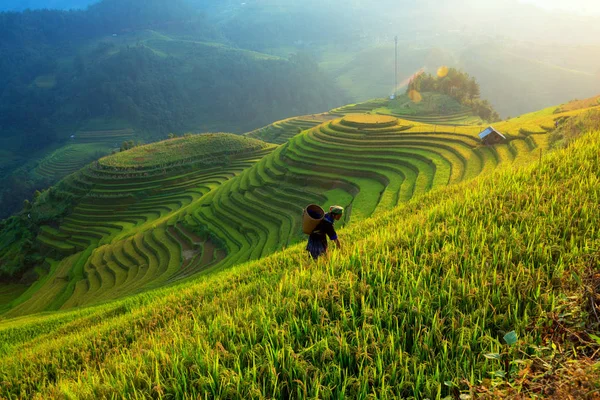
(177, 269)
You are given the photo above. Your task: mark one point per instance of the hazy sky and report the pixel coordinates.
(585, 7)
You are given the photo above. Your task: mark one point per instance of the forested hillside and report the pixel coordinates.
(155, 68)
(65, 68)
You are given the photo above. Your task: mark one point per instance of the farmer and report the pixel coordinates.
(317, 241)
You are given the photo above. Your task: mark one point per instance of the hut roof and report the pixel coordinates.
(488, 131)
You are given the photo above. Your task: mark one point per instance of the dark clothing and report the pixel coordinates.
(317, 241)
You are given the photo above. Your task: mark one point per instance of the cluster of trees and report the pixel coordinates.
(458, 85)
(228, 89)
(17, 186)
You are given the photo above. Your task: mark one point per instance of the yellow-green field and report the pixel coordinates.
(181, 150)
(160, 213)
(281, 131)
(479, 289)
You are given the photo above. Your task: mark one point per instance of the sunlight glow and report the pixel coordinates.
(582, 7)
(442, 71)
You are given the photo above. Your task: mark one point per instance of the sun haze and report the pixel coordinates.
(584, 7)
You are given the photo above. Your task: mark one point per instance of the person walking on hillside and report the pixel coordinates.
(317, 241)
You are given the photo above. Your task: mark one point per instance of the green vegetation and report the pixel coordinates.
(169, 210)
(182, 150)
(47, 167)
(579, 104)
(158, 213)
(161, 67)
(108, 199)
(568, 128)
(69, 159)
(152, 67)
(281, 131)
(207, 202)
(418, 312)
(177, 269)
(432, 108)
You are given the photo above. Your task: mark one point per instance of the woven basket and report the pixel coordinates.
(313, 214)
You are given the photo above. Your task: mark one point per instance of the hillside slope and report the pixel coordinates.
(410, 306)
(125, 197)
(128, 227)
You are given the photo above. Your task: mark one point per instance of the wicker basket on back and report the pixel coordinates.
(313, 214)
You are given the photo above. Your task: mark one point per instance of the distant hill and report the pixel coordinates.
(517, 78)
(154, 67)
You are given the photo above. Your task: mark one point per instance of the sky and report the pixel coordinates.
(582, 7)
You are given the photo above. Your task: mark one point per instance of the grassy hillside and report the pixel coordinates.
(579, 104)
(163, 212)
(281, 131)
(109, 200)
(39, 170)
(423, 301)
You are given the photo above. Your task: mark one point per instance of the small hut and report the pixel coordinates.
(491, 136)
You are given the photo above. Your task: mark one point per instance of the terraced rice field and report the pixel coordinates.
(81, 149)
(281, 131)
(145, 225)
(479, 290)
(113, 138)
(427, 114)
(69, 159)
(120, 237)
(360, 108)
(366, 163)
(458, 118)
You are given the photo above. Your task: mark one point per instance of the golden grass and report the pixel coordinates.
(369, 120)
(182, 149)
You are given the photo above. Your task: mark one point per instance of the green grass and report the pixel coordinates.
(409, 307)
(9, 292)
(181, 150)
